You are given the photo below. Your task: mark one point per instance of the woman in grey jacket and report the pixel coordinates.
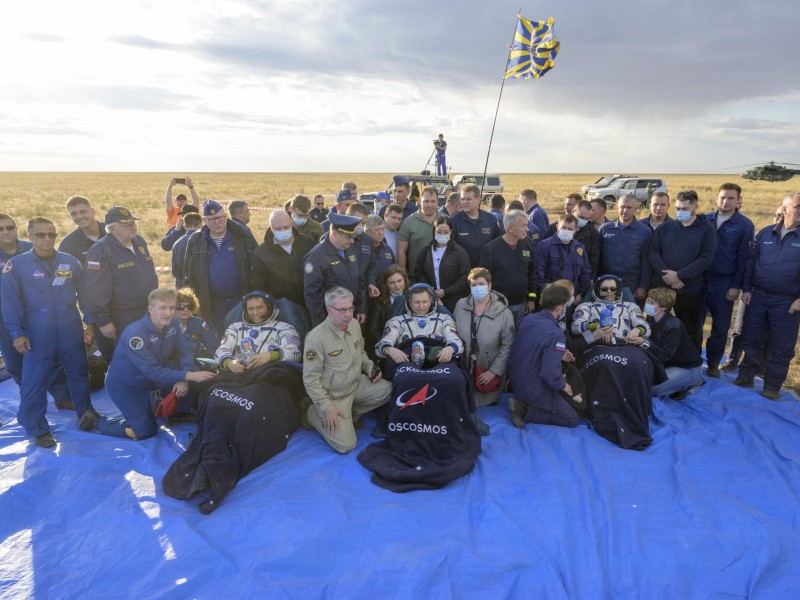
(486, 326)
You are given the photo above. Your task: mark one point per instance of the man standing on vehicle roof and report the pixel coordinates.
(441, 159)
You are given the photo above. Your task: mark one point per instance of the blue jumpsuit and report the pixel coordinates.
(773, 276)
(145, 359)
(555, 261)
(39, 302)
(58, 386)
(117, 283)
(734, 242)
(202, 338)
(534, 370)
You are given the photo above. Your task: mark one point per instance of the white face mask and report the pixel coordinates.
(442, 239)
(300, 221)
(565, 235)
(282, 236)
(683, 215)
(582, 222)
(359, 230)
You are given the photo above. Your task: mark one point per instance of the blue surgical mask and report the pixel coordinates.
(282, 236)
(683, 215)
(479, 292)
(359, 229)
(582, 222)
(300, 221)
(650, 310)
(442, 239)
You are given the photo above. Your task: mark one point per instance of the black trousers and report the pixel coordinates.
(686, 309)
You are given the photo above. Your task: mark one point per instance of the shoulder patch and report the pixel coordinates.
(93, 265)
(136, 343)
(579, 251)
(7, 267)
(311, 356)
(206, 326)
(309, 268)
(561, 347)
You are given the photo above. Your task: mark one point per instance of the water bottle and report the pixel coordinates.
(606, 317)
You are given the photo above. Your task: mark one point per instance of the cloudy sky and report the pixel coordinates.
(671, 86)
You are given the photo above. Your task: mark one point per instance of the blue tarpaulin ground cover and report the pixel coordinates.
(711, 509)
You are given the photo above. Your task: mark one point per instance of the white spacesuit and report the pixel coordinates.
(432, 325)
(244, 339)
(625, 316)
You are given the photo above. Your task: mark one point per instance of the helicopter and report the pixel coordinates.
(771, 171)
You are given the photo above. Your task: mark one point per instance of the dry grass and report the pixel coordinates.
(24, 195)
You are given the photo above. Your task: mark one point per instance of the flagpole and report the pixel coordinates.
(497, 109)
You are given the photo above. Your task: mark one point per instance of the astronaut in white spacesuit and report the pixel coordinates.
(259, 338)
(626, 319)
(421, 321)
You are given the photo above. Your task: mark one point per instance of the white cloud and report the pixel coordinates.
(662, 86)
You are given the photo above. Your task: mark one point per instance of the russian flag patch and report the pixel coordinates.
(93, 265)
(561, 347)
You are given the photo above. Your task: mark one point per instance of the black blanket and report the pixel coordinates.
(243, 420)
(432, 438)
(618, 382)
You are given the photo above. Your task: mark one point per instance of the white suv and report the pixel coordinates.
(641, 187)
(493, 184)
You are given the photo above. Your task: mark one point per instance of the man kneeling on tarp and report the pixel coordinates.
(247, 413)
(152, 354)
(340, 379)
(534, 368)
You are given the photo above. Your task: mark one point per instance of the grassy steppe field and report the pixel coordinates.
(24, 195)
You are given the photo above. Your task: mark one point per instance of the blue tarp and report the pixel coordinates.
(711, 509)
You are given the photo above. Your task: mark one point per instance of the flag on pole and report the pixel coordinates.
(534, 49)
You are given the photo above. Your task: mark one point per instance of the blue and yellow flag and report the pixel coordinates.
(534, 49)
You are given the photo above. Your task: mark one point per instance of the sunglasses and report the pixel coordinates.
(184, 307)
(8, 227)
(608, 289)
(49, 234)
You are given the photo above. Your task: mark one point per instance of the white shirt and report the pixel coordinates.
(437, 259)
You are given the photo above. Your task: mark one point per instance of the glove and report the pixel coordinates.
(167, 406)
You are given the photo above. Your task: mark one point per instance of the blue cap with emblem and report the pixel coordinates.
(212, 208)
(344, 223)
(381, 196)
(344, 194)
(119, 214)
(400, 180)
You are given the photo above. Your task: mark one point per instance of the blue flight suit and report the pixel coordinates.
(534, 370)
(625, 252)
(773, 276)
(383, 257)
(538, 216)
(202, 338)
(325, 268)
(39, 302)
(117, 283)
(734, 243)
(362, 244)
(474, 234)
(145, 359)
(78, 243)
(58, 386)
(441, 158)
(173, 235)
(555, 261)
